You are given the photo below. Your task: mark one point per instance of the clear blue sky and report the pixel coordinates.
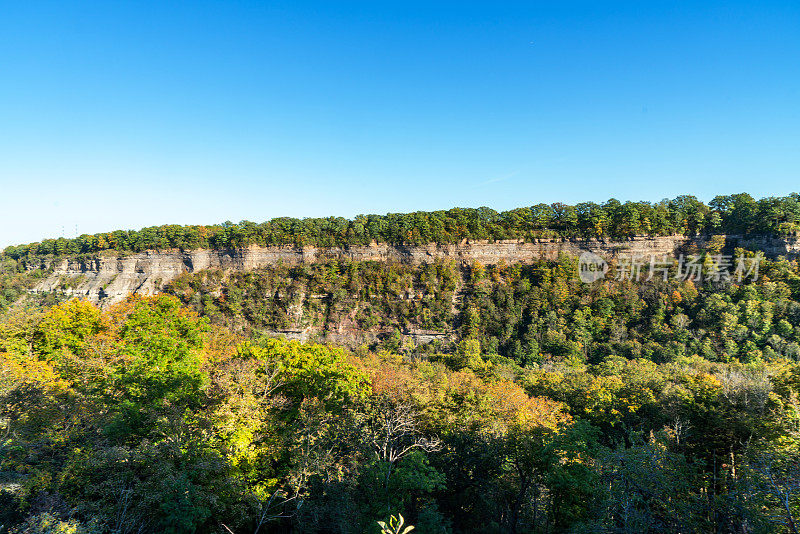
(129, 114)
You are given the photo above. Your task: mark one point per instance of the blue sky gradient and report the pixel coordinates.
(130, 114)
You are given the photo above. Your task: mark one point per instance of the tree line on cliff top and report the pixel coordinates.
(686, 215)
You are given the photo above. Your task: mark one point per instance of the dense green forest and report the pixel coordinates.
(327, 296)
(526, 313)
(730, 214)
(548, 406)
(534, 404)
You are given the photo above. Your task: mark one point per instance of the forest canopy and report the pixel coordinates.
(738, 214)
(146, 417)
(541, 404)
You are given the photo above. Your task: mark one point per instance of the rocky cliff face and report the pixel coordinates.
(109, 279)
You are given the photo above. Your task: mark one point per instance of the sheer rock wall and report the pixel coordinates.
(109, 278)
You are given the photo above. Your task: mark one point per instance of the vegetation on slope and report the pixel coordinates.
(550, 405)
(16, 281)
(332, 296)
(527, 313)
(560, 407)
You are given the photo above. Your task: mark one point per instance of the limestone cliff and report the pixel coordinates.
(108, 279)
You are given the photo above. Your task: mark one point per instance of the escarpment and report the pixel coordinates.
(106, 279)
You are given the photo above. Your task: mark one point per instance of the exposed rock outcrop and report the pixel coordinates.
(109, 279)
